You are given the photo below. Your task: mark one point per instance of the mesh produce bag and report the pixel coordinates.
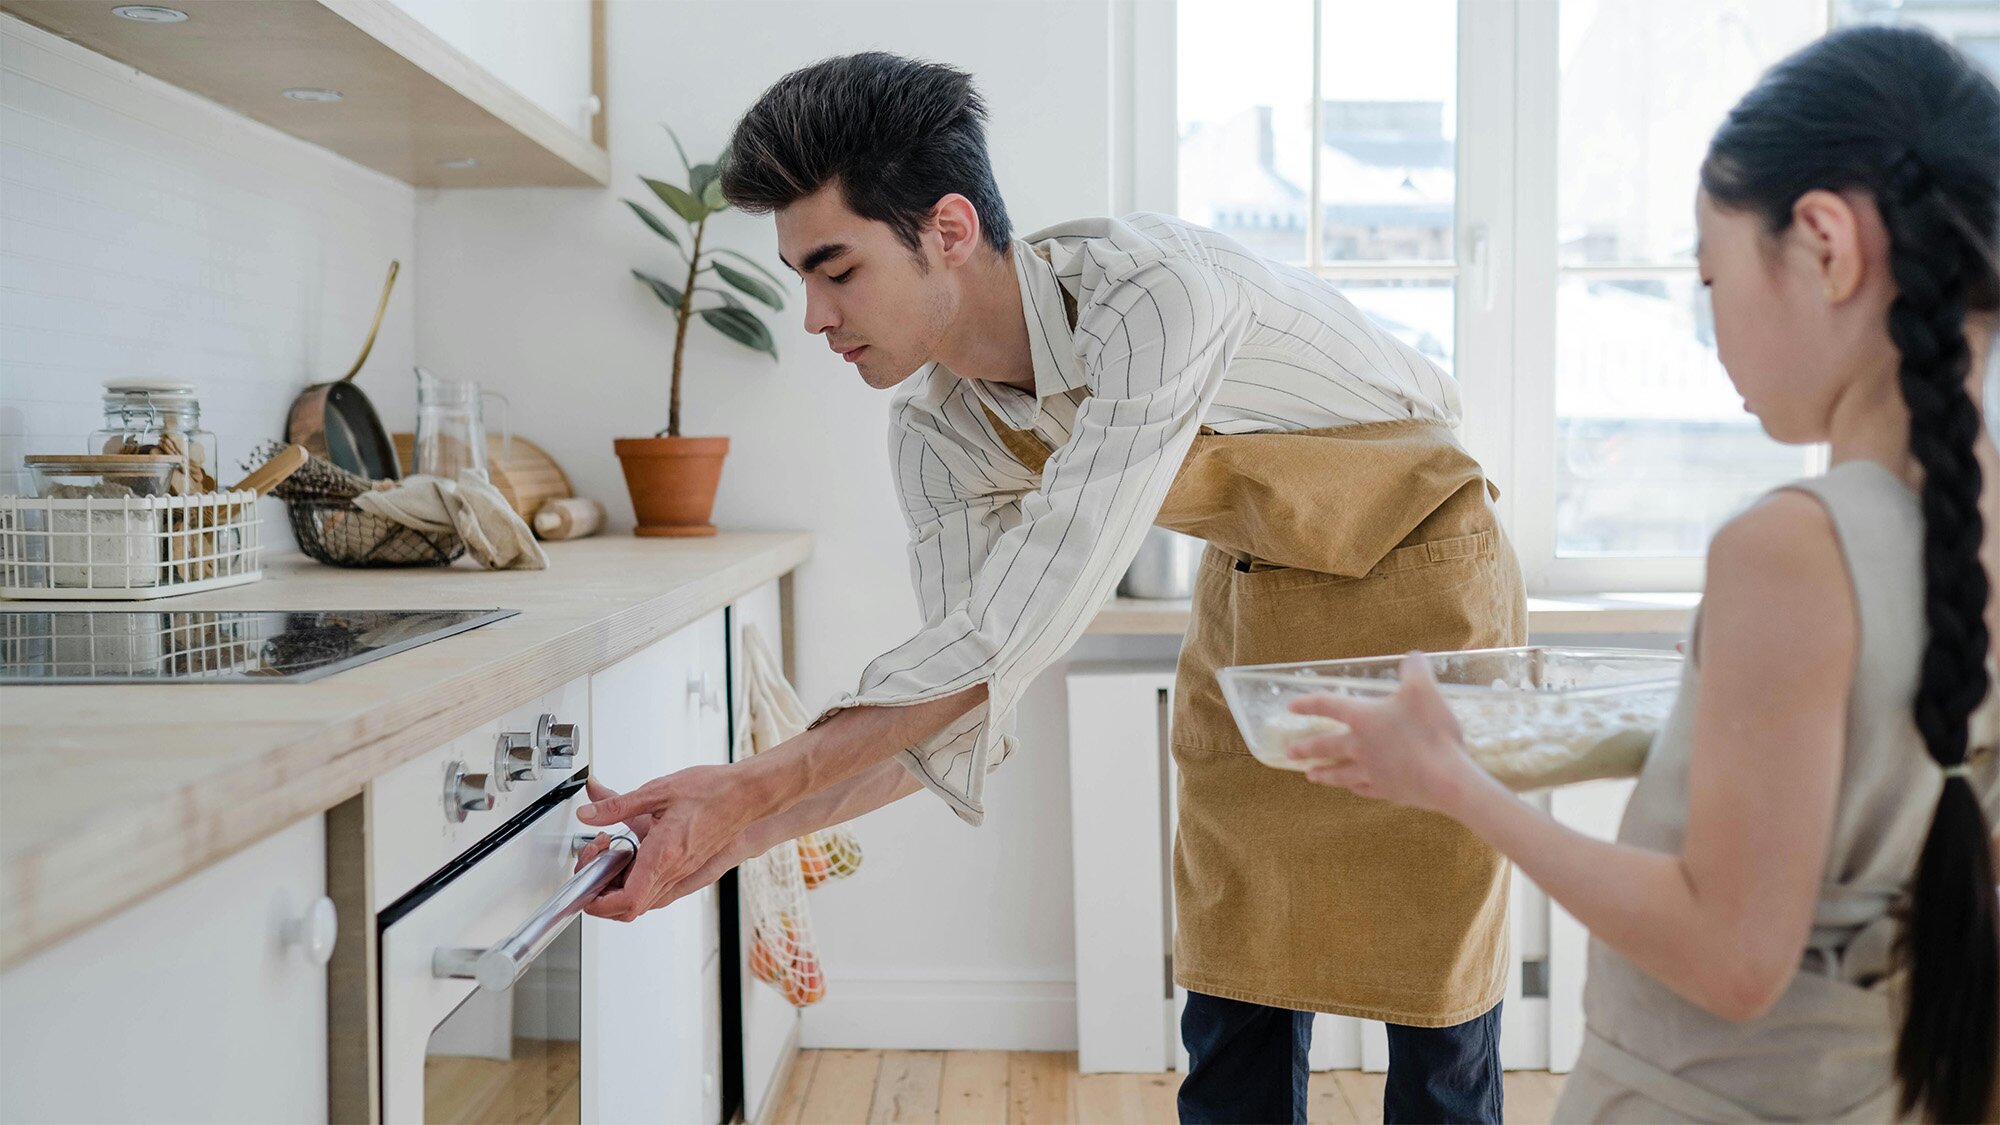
(783, 952)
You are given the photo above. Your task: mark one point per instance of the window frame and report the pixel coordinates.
(1507, 270)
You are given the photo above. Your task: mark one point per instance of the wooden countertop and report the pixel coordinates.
(113, 792)
(1580, 614)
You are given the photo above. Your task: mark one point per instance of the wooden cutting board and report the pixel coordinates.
(525, 474)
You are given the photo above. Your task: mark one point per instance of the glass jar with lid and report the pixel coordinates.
(163, 417)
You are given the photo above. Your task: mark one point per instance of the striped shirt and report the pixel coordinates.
(1177, 328)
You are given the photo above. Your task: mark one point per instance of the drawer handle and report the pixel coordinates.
(315, 931)
(498, 967)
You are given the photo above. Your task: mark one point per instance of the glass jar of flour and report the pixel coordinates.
(161, 417)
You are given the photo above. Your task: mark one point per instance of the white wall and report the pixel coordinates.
(949, 936)
(147, 232)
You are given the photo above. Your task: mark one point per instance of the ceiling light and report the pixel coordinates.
(150, 13)
(459, 162)
(312, 94)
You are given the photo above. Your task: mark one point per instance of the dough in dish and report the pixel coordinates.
(1525, 743)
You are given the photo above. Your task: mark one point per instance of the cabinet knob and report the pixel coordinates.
(315, 931)
(706, 697)
(465, 792)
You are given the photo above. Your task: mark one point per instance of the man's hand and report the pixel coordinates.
(691, 828)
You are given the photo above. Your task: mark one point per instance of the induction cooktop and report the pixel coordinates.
(147, 646)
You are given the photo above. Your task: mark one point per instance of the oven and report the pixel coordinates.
(481, 959)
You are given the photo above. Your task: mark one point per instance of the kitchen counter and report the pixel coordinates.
(116, 791)
(1578, 614)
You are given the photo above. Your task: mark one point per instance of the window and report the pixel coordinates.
(1509, 186)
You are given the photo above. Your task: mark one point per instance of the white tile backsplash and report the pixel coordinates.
(145, 231)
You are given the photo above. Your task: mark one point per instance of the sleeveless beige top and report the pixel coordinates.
(1823, 1053)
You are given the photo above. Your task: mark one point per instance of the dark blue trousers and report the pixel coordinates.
(1247, 1066)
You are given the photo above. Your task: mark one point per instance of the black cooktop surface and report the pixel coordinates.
(143, 646)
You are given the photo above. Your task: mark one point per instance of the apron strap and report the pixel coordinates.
(1648, 1081)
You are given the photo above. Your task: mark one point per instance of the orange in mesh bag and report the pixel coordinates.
(783, 953)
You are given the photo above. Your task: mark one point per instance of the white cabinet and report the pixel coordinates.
(652, 1039)
(196, 1004)
(770, 1024)
(539, 48)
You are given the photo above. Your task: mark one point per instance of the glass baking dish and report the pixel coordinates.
(1534, 716)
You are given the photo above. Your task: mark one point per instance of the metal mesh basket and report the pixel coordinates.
(336, 532)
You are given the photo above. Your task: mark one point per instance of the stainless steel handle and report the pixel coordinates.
(498, 967)
(465, 792)
(557, 742)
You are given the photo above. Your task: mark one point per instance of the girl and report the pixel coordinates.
(1805, 860)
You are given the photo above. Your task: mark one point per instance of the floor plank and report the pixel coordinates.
(907, 1088)
(1362, 1091)
(843, 1088)
(791, 1101)
(1038, 1087)
(1109, 1099)
(1156, 1097)
(1326, 1105)
(1531, 1097)
(973, 1089)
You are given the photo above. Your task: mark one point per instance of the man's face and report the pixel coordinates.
(872, 299)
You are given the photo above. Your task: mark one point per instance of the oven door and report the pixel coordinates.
(482, 977)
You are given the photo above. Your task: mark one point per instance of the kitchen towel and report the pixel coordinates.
(470, 507)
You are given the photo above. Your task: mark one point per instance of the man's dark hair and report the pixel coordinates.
(896, 134)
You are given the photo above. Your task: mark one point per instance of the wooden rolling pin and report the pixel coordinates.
(568, 518)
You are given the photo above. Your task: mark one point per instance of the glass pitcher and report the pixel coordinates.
(451, 427)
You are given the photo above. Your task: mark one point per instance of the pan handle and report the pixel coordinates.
(375, 327)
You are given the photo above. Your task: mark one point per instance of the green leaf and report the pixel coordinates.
(749, 285)
(659, 227)
(751, 262)
(711, 194)
(684, 205)
(668, 294)
(699, 177)
(742, 326)
(677, 146)
(728, 298)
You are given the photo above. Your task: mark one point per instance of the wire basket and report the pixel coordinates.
(336, 532)
(127, 547)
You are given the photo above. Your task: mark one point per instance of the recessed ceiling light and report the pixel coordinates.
(150, 13)
(459, 162)
(312, 94)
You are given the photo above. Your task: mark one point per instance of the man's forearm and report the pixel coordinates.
(881, 784)
(852, 743)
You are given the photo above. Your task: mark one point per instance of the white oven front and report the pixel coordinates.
(483, 979)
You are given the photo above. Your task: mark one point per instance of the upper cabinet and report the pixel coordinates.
(436, 93)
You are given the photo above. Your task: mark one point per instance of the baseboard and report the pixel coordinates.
(943, 1015)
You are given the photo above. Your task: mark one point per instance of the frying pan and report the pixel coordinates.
(335, 421)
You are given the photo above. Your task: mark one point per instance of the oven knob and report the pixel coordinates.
(514, 759)
(465, 792)
(558, 743)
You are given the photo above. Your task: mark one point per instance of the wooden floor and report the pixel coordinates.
(1043, 1088)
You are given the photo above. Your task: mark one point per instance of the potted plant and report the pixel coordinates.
(673, 478)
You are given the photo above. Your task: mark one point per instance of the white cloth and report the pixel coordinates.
(1177, 327)
(469, 507)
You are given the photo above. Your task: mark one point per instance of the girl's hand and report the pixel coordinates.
(1406, 748)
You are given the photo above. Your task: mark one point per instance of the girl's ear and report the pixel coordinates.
(1827, 226)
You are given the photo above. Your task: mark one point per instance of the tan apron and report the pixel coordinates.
(1325, 544)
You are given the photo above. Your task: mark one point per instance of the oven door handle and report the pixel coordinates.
(497, 968)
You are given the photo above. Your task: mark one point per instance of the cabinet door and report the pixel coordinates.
(540, 48)
(643, 1050)
(770, 1024)
(192, 1005)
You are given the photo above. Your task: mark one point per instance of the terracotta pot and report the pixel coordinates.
(672, 482)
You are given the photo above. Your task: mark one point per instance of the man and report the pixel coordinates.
(1056, 396)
